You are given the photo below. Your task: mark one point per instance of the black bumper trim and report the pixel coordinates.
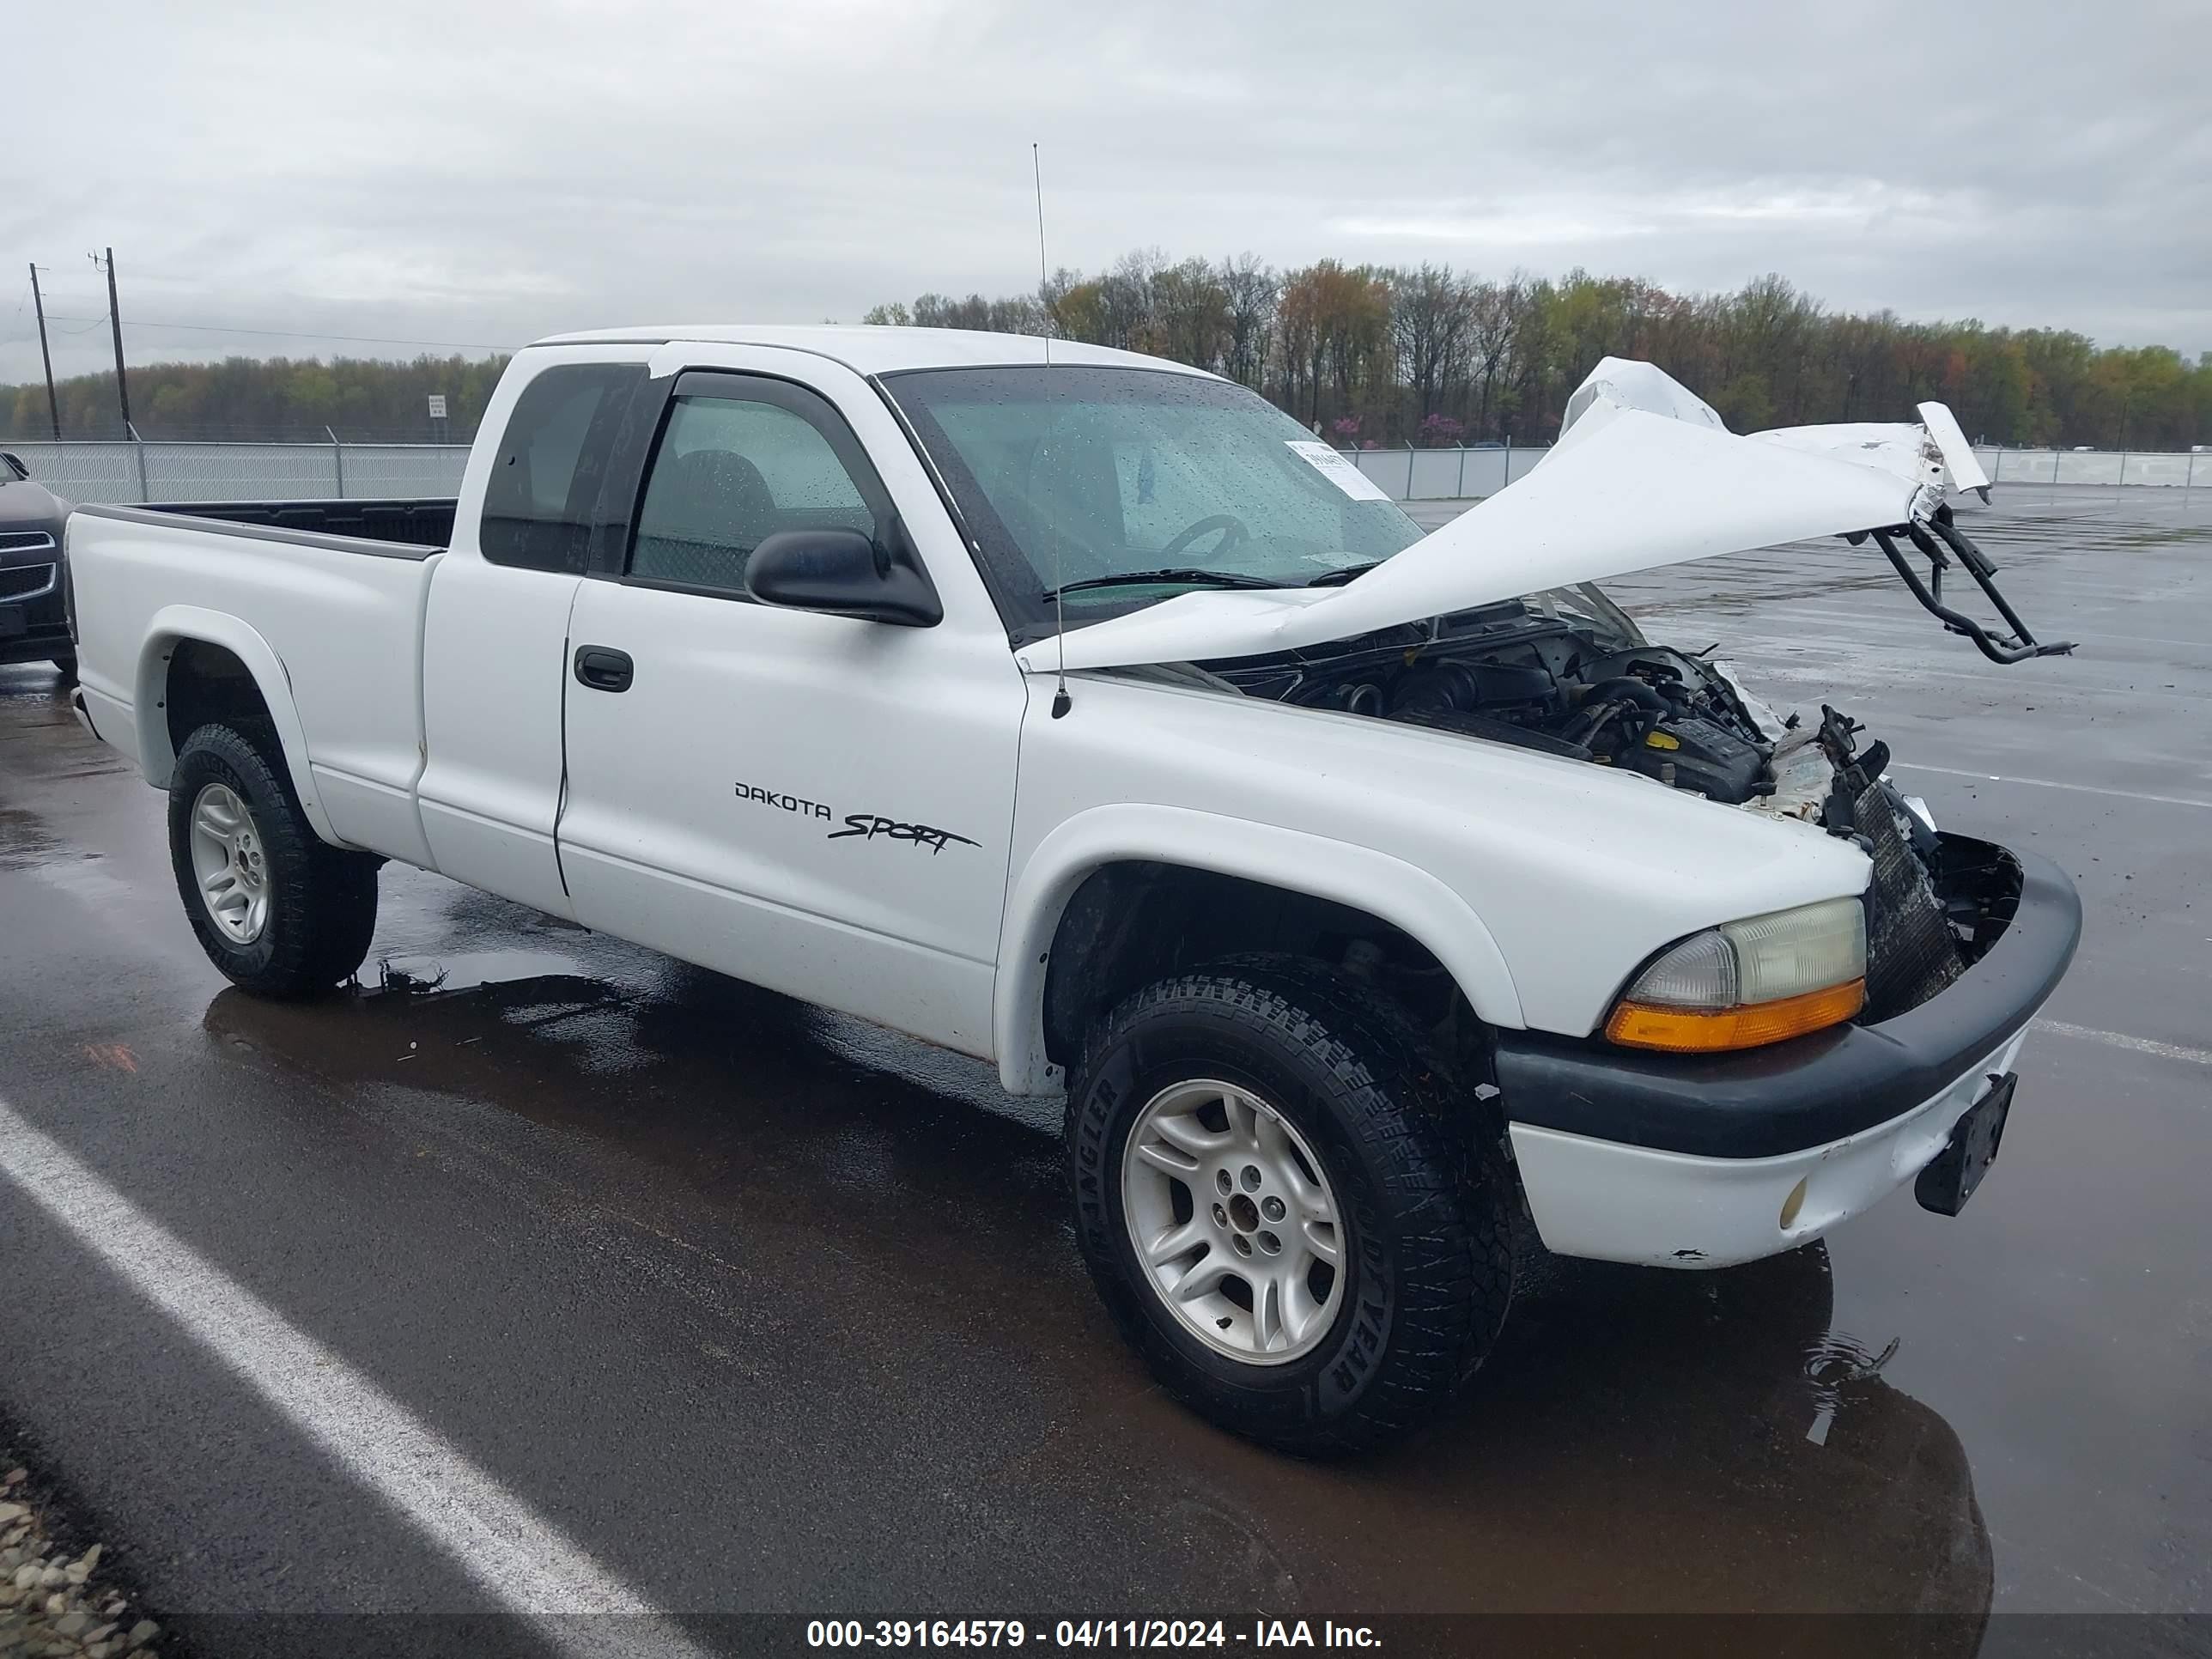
(1763, 1103)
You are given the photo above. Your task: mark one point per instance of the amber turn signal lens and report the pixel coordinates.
(1684, 1030)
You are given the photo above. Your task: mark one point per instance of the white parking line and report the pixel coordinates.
(2050, 783)
(517, 1557)
(2121, 1040)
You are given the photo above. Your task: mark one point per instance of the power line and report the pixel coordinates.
(296, 334)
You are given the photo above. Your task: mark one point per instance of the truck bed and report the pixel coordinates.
(424, 521)
(324, 598)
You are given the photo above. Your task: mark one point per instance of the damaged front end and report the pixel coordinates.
(1492, 627)
(1940, 530)
(1566, 673)
(1935, 904)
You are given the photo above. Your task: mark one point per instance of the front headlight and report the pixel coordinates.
(1749, 983)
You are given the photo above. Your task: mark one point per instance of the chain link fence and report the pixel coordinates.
(168, 470)
(1407, 474)
(162, 470)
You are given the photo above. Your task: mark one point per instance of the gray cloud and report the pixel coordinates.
(488, 172)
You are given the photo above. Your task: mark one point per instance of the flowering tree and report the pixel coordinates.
(1440, 430)
(1347, 431)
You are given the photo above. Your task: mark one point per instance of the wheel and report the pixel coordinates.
(1305, 1238)
(279, 911)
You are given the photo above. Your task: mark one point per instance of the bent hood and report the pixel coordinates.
(1644, 474)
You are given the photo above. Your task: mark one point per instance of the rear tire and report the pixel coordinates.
(279, 911)
(1377, 1337)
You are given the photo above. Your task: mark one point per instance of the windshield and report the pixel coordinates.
(1072, 478)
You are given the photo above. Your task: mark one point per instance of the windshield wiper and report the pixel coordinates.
(1147, 578)
(1337, 577)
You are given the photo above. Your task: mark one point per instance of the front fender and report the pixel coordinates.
(171, 627)
(1404, 895)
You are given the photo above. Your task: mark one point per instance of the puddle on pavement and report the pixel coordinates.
(25, 840)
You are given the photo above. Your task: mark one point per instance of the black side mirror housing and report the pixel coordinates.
(14, 463)
(843, 572)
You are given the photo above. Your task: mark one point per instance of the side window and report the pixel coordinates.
(544, 493)
(730, 471)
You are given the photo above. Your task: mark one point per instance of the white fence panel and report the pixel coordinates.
(1438, 474)
(1433, 473)
(253, 473)
(84, 471)
(2144, 469)
(1426, 475)
(393, 470)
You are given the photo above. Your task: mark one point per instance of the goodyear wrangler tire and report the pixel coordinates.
(1305, 1238)
(280, 911)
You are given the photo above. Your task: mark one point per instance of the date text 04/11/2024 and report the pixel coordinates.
(1086, 1633)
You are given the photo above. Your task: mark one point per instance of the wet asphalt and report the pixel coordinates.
(773, 1311)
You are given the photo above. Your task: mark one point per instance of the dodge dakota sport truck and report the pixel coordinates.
(1358, 889)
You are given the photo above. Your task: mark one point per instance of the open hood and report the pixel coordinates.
(1644, 474)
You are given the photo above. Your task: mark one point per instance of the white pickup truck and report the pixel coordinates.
(1076, 710)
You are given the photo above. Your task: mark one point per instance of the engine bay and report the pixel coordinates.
(1565, 673)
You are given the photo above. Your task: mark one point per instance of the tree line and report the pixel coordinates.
(1380, 355)
(274, 399)
(1366, 354)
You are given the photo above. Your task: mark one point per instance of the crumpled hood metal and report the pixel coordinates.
(1645, 474)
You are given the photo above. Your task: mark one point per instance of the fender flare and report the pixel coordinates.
(1404, 895)
(176, 624)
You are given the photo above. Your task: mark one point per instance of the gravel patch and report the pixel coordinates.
(55, 1600)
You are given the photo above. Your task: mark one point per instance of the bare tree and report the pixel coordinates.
(1431, 319)
(1494, 311)
(1127, 302)
(1191, 313)
(1251, 288)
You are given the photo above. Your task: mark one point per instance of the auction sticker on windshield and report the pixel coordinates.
(1338, 471)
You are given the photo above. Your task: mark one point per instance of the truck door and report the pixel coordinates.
(494, 640)
(813, 803)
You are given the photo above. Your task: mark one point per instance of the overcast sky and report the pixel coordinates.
(482, 174)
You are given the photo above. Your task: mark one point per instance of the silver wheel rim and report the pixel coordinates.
(229, 863)
(1234, 1221)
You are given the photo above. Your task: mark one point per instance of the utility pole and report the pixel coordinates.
(39, 305)
(115, 322)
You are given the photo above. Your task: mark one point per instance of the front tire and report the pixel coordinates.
(279, 911)
(1281, 1210)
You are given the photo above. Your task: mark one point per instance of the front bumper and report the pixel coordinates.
(1687, 1161)
(33, 624)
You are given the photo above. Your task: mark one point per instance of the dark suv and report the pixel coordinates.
(33, 624)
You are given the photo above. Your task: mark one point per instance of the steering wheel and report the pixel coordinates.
(1233, 530)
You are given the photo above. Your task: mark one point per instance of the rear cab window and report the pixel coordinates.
(550, 477)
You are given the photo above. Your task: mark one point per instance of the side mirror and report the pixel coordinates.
(841, 573)
(14, 463)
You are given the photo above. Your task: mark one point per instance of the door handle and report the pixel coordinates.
(604, 668)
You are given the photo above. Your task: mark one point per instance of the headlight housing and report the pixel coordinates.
(1749, 983)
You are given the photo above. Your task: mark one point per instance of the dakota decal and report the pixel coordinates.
(812, 809)
(865, 826)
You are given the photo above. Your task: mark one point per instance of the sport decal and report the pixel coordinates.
(863, 826)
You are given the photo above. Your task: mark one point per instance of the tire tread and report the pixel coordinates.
(1442, 1176)
(323, 902)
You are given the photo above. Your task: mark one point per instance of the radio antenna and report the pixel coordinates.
(1036, 173)
(1061, 701)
